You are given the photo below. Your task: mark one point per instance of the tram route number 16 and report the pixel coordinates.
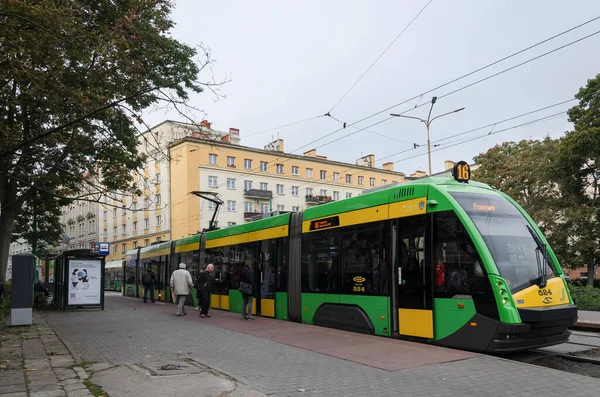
(544, 292)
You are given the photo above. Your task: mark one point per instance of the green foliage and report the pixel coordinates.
(75, 75)
(585, 298)
(40, 301)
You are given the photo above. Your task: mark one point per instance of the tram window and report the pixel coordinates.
(453, 248)
(364, 261)
(220, 258)
(281, 262)
(191, 260)
(266, 266)
(320, 262)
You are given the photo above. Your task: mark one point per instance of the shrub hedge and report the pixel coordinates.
(585, 298)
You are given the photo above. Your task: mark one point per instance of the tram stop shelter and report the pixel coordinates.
(79, 280)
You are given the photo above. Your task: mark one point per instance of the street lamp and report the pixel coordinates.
(427, 124)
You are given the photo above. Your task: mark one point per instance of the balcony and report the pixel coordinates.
(258, 194)
(318, 199)
(248, 215)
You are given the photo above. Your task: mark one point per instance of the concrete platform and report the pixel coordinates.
(374, 351)
(281, 359)
(588, 320)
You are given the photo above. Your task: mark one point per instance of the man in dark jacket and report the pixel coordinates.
(149, 280)
(203, 288)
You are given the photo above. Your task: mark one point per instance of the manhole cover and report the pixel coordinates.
(171, 367)
(166, 368)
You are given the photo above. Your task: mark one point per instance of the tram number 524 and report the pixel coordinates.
(544, 292)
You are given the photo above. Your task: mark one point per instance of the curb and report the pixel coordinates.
(60, 336)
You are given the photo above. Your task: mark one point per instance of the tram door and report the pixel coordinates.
(265, 279)
(412, 297)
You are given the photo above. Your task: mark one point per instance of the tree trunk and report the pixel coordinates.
(7, 225)
(590, 274)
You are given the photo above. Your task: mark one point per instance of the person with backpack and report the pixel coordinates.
(148, 280)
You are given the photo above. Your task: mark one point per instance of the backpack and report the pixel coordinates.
(458, 281)
(147, 279)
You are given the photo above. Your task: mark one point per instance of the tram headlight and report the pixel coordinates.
(502, 291)
(504, 300)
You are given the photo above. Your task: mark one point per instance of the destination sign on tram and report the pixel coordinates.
(325, 223)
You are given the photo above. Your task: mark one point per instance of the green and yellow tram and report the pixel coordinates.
(446, 261)
(113, 275)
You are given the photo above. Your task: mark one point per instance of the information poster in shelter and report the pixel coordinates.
(85, 276)
(50, 270)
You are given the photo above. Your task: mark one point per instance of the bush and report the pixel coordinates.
(5, 305)
(585, 298)
(582, 283)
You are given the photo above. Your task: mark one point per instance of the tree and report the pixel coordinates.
(577, 170)
(522, 171)
(74, 76)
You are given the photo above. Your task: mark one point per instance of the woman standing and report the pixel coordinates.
(246, 288)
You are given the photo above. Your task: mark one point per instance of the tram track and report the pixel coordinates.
(580, 355)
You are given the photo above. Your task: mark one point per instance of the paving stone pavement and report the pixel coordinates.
(122, 334)
(35, 363)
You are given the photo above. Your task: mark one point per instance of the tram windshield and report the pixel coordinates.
(520, 256)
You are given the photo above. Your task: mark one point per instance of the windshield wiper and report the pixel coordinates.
(541, 248)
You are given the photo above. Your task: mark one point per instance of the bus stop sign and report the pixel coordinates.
(103, 248)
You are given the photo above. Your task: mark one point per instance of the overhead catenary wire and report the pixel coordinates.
(284, 126)
(443, 85)
(379, 57)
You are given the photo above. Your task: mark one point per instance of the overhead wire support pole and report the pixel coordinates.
(428, 124)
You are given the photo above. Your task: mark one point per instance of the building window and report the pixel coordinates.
(105, 233)
(135, 226)
(281, 208)
(248, 207)
(294, 190)
(323, 174)
(264, 208)
(360, 180)
(114, 231)
(147, 202)
(124, 229)
(348, 178)
(124, 248)
(146, 223)
(212, 181)
(158, 199)
(336, 176)
(336, 195)
(348, 195)
(247, 185)
(212, 159)
(211, 206)
(309, 191)
(115, 249)
(279, 168)
(146, 242)
(231, 223)
(263, 186)
(309, 172)
(279, 189)
(230, 161)
(104, 214)
(158, 239)
(295, 170)
(134, 205)
(263, 165)
(230, 205)
(371, 181)
(230, 183)
(323, 192)
(248, 164)
(158, 220)
(134, 244)
(383, 182)
(157, 178)
(295, 208)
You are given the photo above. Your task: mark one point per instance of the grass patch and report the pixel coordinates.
(95, 389)
(84, 364)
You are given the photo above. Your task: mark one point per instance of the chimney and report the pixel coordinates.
(280, 145)
(311, 153)
(419, 174)
(448, 164)
(234, 133)
(389, 166)
(226, 138)
(205, 124)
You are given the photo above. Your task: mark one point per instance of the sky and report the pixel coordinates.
(292, 61)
